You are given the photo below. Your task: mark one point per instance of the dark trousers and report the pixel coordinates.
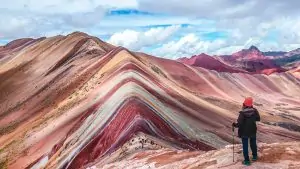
(253, 147)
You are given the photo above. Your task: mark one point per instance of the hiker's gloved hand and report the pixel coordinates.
(234, 124)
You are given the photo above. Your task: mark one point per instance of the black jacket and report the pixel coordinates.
(247, 122)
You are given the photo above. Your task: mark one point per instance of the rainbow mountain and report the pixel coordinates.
(78, 102)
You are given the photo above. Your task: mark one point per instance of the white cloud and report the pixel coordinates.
(18, 25)
(192, 44)
(119, 4)
(244, 23)
(187, 46)
(34, 18)
(85, 19)
(15, 25)
(226, 9)
(136, 40)
(65, 6)
(228, 50)
(271, 25)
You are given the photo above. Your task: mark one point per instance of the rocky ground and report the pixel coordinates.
(271, 156)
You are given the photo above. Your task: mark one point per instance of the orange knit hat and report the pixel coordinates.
(248, 102)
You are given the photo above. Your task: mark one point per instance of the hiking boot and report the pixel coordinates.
(254, 158)
(247, 163)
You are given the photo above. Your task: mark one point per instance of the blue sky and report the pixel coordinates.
(168, 28)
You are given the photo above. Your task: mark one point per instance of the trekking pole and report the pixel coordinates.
(233, 144)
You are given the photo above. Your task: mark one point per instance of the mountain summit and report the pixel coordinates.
(254, 48)
(253, 53)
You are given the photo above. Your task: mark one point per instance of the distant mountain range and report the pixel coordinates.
(250, 60)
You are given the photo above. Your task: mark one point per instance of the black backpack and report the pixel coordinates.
(248, 126)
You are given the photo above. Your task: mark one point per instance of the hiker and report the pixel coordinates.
(246, 123)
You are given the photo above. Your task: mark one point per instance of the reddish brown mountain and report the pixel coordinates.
(253, 53)
(209, 62)
(250, 60)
